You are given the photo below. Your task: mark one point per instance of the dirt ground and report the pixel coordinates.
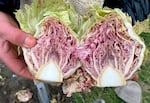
(10, 84)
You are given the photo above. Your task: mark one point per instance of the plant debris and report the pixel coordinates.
(24, 95)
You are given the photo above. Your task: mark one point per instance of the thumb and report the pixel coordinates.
(17, 36)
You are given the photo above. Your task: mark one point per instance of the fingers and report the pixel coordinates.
(9, 56)
(18, 67)
(10, 31)
(17, 36)
(10, 34)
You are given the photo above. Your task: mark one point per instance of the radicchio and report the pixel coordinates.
(108, 56)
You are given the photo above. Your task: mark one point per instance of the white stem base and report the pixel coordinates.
(50, 72)
(111, 77)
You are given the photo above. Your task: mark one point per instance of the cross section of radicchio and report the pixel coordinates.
(108, 56)
(52, 58)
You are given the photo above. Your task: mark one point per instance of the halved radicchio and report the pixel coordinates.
(108, 55)
(53, 57)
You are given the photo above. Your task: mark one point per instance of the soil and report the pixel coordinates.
(10, 84)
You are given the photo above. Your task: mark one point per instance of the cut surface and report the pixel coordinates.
(54, 49)
(50, 72)
(110, 77)
(113, 41)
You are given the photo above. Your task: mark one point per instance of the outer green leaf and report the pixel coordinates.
(38, 10)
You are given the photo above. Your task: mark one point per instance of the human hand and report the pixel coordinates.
(11, 37)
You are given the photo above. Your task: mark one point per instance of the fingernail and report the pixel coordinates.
(29, 41)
